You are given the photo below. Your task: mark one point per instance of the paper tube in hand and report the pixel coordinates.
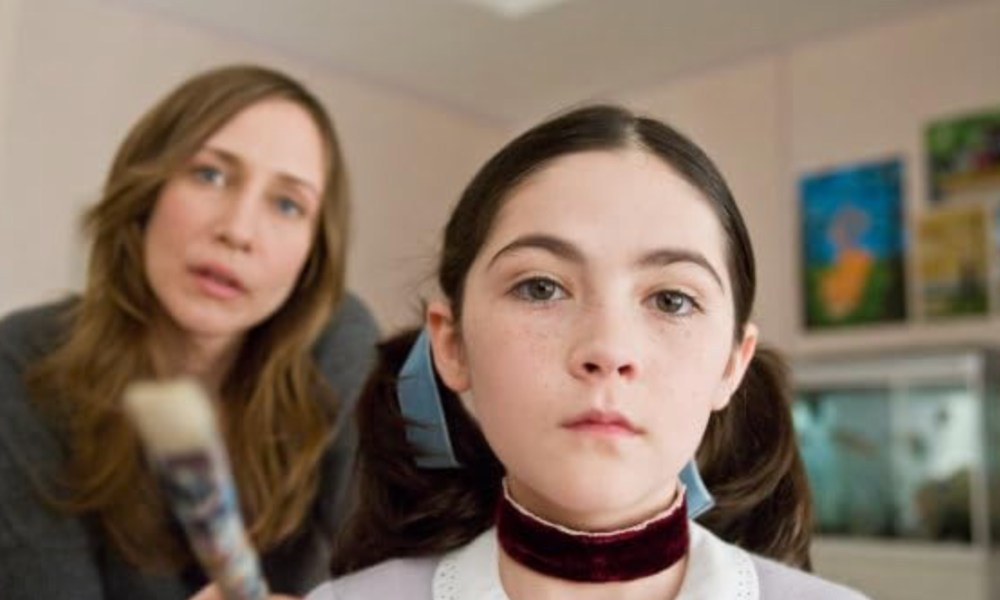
(177, 425)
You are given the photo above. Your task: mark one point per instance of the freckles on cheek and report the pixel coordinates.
(534, 345)
(535, 339)
(502, 356)
(540, 362)
(511, 340)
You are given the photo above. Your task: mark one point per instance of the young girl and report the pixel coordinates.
(218, 253)
(592, 337)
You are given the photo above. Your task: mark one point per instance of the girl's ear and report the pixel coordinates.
(739, 360)
(446, 347)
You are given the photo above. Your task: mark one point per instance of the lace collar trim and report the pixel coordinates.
(715, 571)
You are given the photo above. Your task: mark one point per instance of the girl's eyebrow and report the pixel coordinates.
(549, 243)
(566, 250)
(667, 256)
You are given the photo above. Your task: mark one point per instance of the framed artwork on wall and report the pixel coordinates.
(852, 237)
(953, 261)
(963, 157)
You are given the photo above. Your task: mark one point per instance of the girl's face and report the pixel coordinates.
(232, 229)
(596, 336)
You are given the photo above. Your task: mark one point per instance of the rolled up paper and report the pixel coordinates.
(177, 425)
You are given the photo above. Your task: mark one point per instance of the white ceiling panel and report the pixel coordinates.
(554, 53)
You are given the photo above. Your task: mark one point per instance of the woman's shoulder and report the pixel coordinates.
(28, 333)
(351, 324)
(345, 349)
(780, 582)
(400, 579)
(26, 439)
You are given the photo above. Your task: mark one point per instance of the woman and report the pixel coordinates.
(593, 336)
(217, 253)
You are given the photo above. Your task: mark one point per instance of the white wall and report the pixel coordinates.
(8, 18)
(86, 69)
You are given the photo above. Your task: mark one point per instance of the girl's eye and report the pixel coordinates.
(539, 289)
(674, 303)
(210, 175)
(289, 207)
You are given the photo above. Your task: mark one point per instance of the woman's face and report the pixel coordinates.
(596, 336)
(233, 227)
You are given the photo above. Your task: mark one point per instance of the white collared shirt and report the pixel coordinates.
(715, 571)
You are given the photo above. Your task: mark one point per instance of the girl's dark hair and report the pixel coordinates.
(748, 457)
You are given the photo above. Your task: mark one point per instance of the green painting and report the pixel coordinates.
(963, 156)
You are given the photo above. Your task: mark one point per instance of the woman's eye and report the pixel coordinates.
(539, 289)
(210, 175)
(673, 302)
(289, 207)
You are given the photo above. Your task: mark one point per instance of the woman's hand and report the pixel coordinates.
(211, 592)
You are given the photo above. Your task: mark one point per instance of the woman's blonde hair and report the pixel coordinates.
(278, 408)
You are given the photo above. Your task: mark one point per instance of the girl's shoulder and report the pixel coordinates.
(400, 579)
(781, 582)
(718, 569)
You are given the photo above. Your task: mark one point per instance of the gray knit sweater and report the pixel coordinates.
(47, 555)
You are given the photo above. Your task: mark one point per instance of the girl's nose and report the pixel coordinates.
(605, 348)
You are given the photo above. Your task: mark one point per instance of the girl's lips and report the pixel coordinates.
(602, 422)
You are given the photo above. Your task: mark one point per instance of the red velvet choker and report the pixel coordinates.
(622, 555)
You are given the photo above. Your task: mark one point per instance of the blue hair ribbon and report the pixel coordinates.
(420, 403)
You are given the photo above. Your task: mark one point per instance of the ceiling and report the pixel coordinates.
(528, 57)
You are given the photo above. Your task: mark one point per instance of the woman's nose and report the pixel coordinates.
(236, 226)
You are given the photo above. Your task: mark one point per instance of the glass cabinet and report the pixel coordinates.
(901, 451)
